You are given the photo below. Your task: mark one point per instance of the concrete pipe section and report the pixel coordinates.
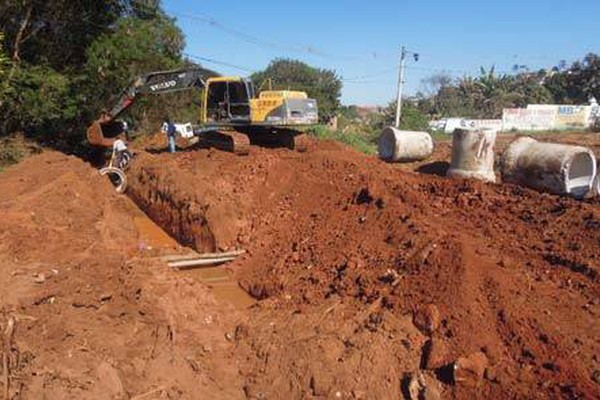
(117, 177)
(596, 188)
(404, 146)
(473, 155)
(550, 167)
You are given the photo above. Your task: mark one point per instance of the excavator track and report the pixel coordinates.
(286, 138)
(231, 141)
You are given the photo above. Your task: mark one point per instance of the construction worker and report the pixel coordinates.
(169, 129)
(121, 154)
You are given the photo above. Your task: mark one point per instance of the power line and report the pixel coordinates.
(374, 75)
(212, 22)
(312, 50)
(217, 62)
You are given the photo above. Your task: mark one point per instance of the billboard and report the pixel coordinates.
(528, 119)
(572, 117)
(450, 124)
(567, 116)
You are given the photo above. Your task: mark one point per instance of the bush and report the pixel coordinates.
(413, 120)
(14, 149)
(37, 101)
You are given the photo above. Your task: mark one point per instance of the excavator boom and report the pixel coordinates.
(160, 82)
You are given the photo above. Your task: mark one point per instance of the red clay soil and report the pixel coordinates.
(94, 315)
(344, 249)
(352, 260)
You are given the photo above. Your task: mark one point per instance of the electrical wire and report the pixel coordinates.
(217, 62)
(312, 50)
(212, 22)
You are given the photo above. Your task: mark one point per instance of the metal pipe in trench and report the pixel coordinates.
(200, 262)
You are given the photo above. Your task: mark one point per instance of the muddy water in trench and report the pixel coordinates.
(217, 278)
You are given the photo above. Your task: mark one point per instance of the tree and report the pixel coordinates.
(435, 83)
(4, 65)
(321, 84)
(557, 84)
(411, 119)
(69, 58)
(136, 46)
(587, 73)
(3, 57)
(486, 95)
(37, 101)
(577, 83)
(55, 33)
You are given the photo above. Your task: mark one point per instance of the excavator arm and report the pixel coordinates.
(160, 82)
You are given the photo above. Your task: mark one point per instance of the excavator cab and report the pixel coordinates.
(227, 100)
(233, 101)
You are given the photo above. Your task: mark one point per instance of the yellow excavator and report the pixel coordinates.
(233, 115)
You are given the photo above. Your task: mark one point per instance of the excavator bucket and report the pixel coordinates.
(103, 134)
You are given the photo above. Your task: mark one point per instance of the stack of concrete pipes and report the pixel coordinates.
(549, 167)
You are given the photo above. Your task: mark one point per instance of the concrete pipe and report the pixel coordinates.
(404, 146)
(596, 188)
(117, 177)
(473, 155)
(551, 167)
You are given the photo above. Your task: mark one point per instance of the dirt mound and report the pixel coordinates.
(374, 281)
(513, 273)
(94, 315)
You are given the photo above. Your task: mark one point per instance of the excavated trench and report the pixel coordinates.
(173, 217)
(180, 215)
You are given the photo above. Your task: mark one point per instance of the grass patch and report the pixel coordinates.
(14, 149)
(363, 142)
(440, 135)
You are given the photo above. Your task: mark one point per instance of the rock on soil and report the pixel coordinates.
(427, 319)
(468, 371)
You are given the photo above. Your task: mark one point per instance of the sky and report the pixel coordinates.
(361, 40)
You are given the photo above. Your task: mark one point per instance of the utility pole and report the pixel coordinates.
(403, 55)
(400, 86)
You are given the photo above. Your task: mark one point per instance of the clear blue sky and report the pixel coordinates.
(360, 40)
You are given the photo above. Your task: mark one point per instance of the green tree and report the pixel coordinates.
(37, 101)
(577, 83)
(411, 119)
(321, 84)
(55, 33)
(71, 58)
(3, 58)
(486, 95)
(136, 46)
